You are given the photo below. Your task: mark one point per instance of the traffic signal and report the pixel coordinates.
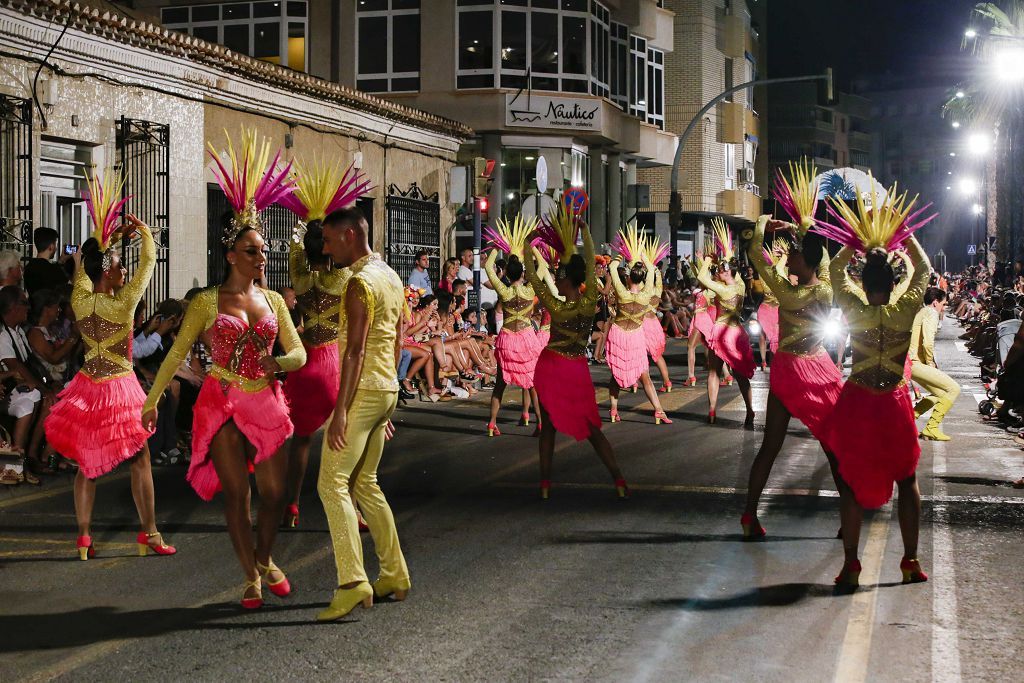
(482, 170)
(483, 204)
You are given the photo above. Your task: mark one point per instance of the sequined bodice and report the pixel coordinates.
(238, 347)
(879, 354)
(632, 305)
(320, 313)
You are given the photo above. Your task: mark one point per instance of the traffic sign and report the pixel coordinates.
(972, 249)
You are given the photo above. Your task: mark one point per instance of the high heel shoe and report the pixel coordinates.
(253, 603)
(613, 415)
(912, 571)
(748, 423)
(398, 589)
(492, 429)
(85, 549)
(345, 600)
(545, 489)
(635, 388)
(291, 516)
(711, 416)
(849, 577)
(727, 382)
(154, 542)
(426, 394)
(621, 489)
(660, 416)
(666, 388)
(282, 587)
(524, 420)
(752, 529)
(764, 367)
(690, 382)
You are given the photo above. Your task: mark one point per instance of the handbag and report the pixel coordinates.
(12, 463)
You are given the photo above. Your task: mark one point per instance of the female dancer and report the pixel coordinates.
(626, 348)
(312, 390)
(517, 346)
(872, 429)
(241, 415)
(701, 324)
(95, 421)
(562, 378)
(768, 311)
(654, 333)
(728, 341)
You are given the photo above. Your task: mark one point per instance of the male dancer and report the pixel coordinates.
(942, 388)
(369, 342)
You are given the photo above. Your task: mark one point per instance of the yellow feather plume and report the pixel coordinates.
(723, 238)
(316, 184)
(516, 233)
(877, 224)
(803, 190)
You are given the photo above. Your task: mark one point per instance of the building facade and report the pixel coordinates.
(83, 90)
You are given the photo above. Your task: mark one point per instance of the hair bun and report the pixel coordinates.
(90, 246)
(876, 257)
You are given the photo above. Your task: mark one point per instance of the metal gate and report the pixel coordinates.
(16, 174)
(144, 151)
(278, 224)
(413, 224)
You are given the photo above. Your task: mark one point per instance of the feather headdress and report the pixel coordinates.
(723, 239)
(887, 222)
(103, 200)
(779, 247)
(511, 237)
(629, 244)
(798, 194)
(656, 250)
(323, 188)
(251, 185)
(559, 232)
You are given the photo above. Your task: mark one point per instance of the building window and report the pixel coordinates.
(730, 167)
(656, 88)
(638, 76)
(600, 42)
(388, 38)
(268, 30)
(620, 64)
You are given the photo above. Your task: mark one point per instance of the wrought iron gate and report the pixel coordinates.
(16, 174)
(278, 224)
(144, 151)
(413, 225)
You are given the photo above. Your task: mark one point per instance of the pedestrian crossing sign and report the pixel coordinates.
(972, 249)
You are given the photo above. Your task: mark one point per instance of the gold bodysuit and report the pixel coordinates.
(571, 321)
(319, 294)
(516, 300)
(730, 297)
(632, 306)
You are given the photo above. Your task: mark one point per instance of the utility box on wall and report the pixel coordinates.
(638, 196)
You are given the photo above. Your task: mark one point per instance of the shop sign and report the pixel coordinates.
(543, 111)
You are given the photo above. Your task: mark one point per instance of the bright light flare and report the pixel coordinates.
(754, 327)
(977, 209)
(967, 186)
(970, 33)
(978, 144)
(1008, 64)
(832, 329)
(956, 124)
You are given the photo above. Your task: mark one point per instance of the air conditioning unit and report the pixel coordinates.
(745, 176)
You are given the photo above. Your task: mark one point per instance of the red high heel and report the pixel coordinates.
(752, 529)
(492, 429)
(711, 416)
(253, 603)
(850, 575)
(280, 588)
(690, 382)
(524, 420)
(545, 489)
(727, 382)
(764, 367)
(621, 489)
(85, 549)
(536, 430)
(613, 415)
(660, 416)
(291, 516)
(666, 388)
(912, 571)
(154, 542)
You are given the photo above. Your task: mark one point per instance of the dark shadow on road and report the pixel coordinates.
(27, 632)
(779, 595)
(978, 481)
(661, 538)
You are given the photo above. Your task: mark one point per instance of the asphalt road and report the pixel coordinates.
(583, 586)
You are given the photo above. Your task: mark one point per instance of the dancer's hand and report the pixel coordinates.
(270, 365)
(336, 431)
(149, 420)
(775, 225)
(389, 430)
(130, 226)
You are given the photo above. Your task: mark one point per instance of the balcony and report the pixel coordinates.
(736, 36)
(860, 141)
(741, 204)
(733, 121)
(751, 123)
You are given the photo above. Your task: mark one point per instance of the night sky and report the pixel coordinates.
(917, 40)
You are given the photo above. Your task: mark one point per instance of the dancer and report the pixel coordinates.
(241, 415)
(872, 431)
(562, 377)
(95, 420)
(804, 381)
(768, 311)
(517, 346)
(626, 348)
(728, 341)
(312, 389)
(370, 341)
(701, 324)
(654, 333)
(942, 388)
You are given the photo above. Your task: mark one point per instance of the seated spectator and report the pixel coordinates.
(41, 272)
(52, 353)
(163, 444)
(10, 268)
(449, 274)
(420, 276)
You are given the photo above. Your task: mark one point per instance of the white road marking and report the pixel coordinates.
(980, 397)
(945, 625)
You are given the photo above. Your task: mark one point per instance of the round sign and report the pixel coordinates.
(576, 200)
(542, 175)
(539, 205)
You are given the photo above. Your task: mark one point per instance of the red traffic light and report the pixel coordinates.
(482, 203)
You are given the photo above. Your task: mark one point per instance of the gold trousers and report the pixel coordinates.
(358, 463)
(934, 381)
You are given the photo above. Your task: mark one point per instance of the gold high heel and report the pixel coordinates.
(345, 600)
(396, 588)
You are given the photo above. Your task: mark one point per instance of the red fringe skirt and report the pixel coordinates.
(874, 438)
(626, 352)
(655, 337)
(809, 387)
(261, 416)
(517, 355)
(312, 390)
(566, 392)
(768, 319)
(732, 345)
(98, 424)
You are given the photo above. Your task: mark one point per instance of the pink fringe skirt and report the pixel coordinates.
(809, 387)
(874, 438)
(312, 390)
(655, 337)
(517, 355)
(261, 416)
(566, 392)
(703, 322)
(732, 345)
(768, 319)
(543, 337)
(626, 352)
(98, 424)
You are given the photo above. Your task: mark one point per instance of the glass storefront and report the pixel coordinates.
(566, 168)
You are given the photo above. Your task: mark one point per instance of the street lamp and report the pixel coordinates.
(967, 186)
(960, 94)
(978, 144)
(956, 124)
(970, 33)
(1008, 64)
(977, 209)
